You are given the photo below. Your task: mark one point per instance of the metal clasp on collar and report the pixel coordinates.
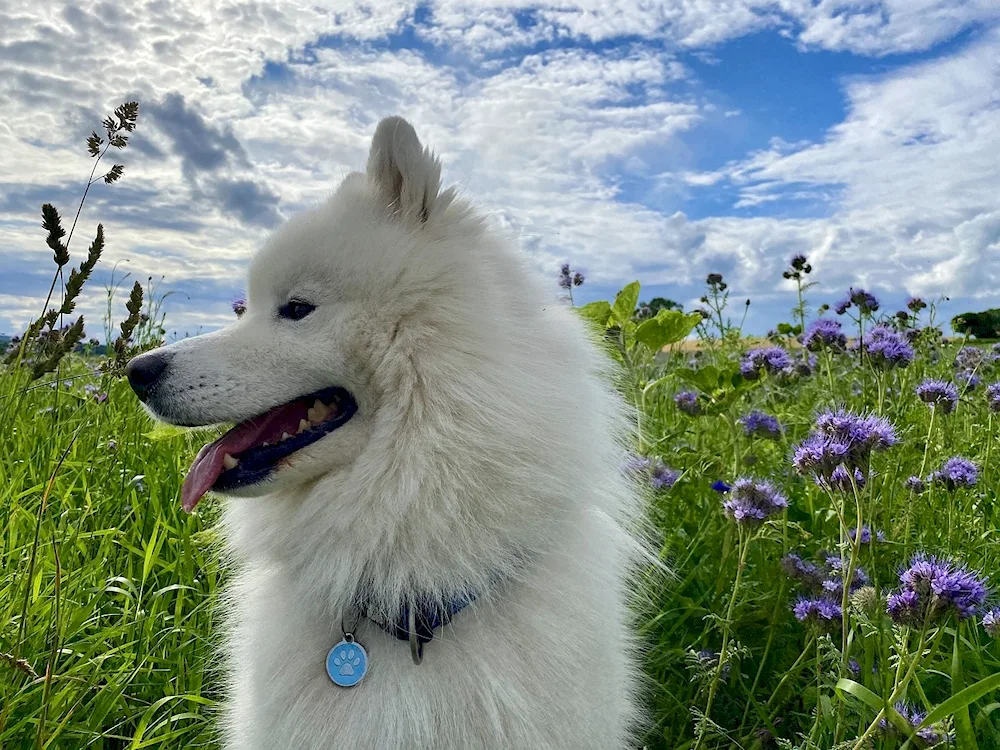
(416, 647)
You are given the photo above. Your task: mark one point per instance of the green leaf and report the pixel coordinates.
(965, 736)
(598, 312)
(962, 699)
(668, 327)
(705, 379)
(625, 303)
(874, 702)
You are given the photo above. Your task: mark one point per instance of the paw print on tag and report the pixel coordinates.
(346, 663)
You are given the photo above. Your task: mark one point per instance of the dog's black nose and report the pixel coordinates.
(144, 371)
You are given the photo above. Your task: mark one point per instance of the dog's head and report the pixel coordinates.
(339, 304)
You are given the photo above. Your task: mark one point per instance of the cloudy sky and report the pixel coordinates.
(635, 139)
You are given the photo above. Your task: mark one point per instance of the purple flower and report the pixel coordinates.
(840, 480)
(926, 737)
(659, 474)
(886, 348)
(915, 304)
(663, 477)
(932, 588)
(822, 613)
(842, 438)
(569, 278)
(239, 306)
(834, 582)
(824, 333)
(760, 424)
(773, 359)
(866, 302)
(866, 535)
(687, 402)
(915, 484)
(993, 395)
(801, 570)
(956, 472)
(969, 358)
(991, 622)
(938, 393)
(751, 501)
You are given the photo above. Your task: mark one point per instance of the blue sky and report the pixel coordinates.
(658, 142)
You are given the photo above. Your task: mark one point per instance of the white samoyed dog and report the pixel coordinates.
(431, 529)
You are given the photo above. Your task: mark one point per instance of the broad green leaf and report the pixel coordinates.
(962, 699)
(874, 702)
(965, 736)
(706, 379)
(668, 327)
(599, 312)
(625, 303)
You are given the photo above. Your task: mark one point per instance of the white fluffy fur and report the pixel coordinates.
(487, 428)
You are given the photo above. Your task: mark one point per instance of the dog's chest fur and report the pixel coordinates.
(542, 663)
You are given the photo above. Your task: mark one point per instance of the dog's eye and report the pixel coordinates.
(295, 309)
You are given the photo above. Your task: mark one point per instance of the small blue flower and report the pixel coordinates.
(721, 487)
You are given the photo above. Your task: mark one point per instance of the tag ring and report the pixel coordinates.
(416, 647)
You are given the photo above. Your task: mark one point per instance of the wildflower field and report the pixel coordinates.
(825, 502)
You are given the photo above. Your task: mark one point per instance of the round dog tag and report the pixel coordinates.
(347, 663)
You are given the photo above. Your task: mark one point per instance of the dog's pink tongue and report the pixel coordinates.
(207, 464)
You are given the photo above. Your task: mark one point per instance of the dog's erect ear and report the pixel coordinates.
(406, 176)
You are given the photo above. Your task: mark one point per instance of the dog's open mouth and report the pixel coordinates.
(253, 449)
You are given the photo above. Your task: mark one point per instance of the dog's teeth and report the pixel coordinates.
(285, 436)
(229, 462)
(303, 425)
(312, 415)
(321, 409)
(265, 444)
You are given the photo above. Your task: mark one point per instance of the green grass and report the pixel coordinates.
(107, 585)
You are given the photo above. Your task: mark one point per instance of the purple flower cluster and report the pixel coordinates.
(842, 439)
(822, 613)
(750, 501)
(802, 570)
(915, 484)
(956, 472)
(993, 396)
(239, 306)
(886, 348)
(932, 588)
(773, 359)
(938, 393)
(824, 333)
(823, 579)
(569, 278)
(915, 304)
(866, 302)
(687, 402)
(928, 736)
(759, 424)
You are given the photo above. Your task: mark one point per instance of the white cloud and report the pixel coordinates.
(901, 189)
